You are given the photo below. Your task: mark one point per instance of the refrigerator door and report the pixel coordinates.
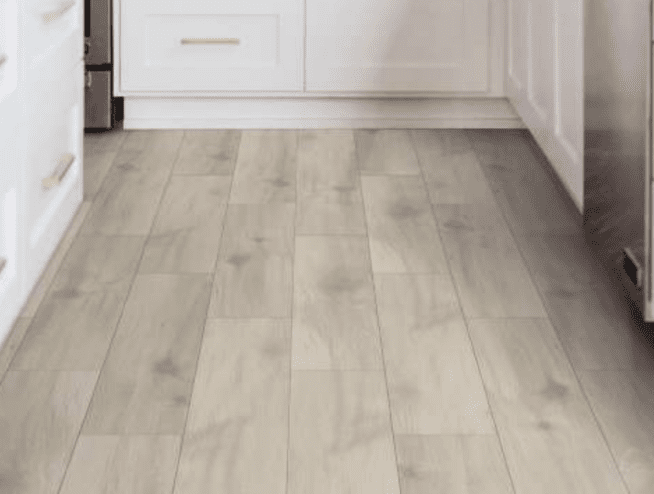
(98, 100)
(97, 19)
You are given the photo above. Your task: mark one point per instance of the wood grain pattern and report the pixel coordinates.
(266, 167)
(451, 464)
(246, 364)
(186, 233)
(334, 320)
(340, 439)
(482, 217)
(40, 416)
(146, 382)
(150, 150)
(73, 327)
(551, 440)
(401, 227)
(433, 381)
(12, 342)
(254, 275)
(208, 152)
(623, 402)
(122, 465)
(100, 150)
(386, 152)
(490, 276)
(450, 167)
(329, 200)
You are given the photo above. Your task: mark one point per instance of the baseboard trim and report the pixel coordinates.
(317, 113)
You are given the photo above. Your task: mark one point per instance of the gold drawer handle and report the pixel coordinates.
(3, 263)
(3, 59)
(211, 41)
(60, 172)
(61, 10)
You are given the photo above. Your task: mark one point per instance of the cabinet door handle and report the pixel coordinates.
(59, 11)
(3, 263)
(60, 172)
(211, 41)
(3, 59)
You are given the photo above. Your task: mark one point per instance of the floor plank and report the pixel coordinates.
(12, 342)
(386, 152)
(246, 364)
(401, 227)
(340, 438)
(73, 327)
(122, 465)
(433, 380)
(266, 167)
(481, 217)
(254, 274)
(41, 414)
(186, 233)
(329, 200)
(146, 382)
(208, 152)
(100, 150)
(551, 440)
(452, 464)
(334, 321)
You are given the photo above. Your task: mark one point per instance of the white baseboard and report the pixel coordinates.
(319, 113)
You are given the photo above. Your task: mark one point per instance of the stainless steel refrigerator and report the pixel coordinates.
(102, 110)
(617, 142)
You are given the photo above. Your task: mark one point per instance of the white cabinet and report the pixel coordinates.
(397, 45)
(8, 48)
(207, 45)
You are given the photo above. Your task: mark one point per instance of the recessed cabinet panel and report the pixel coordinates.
(398, 45)
(251, 45)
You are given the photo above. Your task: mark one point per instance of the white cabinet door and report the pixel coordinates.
(8, 47)
(201, 45)
(397, 45)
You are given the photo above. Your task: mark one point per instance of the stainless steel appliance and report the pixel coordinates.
(102, 110)
(617, 142)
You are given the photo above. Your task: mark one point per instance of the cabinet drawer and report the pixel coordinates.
(195, 46)
(54, 174)
(54, 28)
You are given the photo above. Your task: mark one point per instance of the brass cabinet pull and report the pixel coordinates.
(3, 59)
(59, 11)
(60, 172)
(3, 263)
(211, 41)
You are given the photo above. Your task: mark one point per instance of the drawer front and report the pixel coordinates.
(54, 29)
(54, 176)
(211, 46)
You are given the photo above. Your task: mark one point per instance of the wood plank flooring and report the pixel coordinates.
(325, 312)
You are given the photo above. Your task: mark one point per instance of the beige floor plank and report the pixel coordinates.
(100, 150)
(490, 276)
(41, 414)
(334, 321)
(122, 465)
(623, 402)
(73, 327)
(246, 364)
(551, 440)
(401, 227)
(254, 275)
(433, 380)
(146, 382)
(266, 167)
(450, 167)
(340, 437)
(149, 150)
(386, 152)
(329, 200)
(481, 217)
(208, 152)
(12, 342)
(186, 233)
(41, 288)
(452, 464)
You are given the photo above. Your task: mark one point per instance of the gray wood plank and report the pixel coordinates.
(208, 152)
(100, 150)
(40, 416)
(340, 439)
(334, 319)
(386, 152)
(73, 327)
(329, 200)
(266, 167)
(186, 233)
(254, 274)
(551, 440)
(146, 382)
(246, 364)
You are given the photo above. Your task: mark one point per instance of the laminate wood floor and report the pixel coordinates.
(337, 312)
